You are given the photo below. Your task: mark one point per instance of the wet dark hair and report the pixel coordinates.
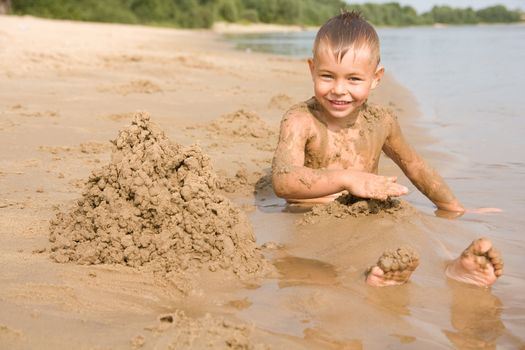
(345, 31)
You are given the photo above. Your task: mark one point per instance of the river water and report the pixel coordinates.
(469, 83)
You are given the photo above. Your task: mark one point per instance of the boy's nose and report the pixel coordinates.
(339, 88)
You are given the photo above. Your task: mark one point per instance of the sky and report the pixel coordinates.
(426, 5)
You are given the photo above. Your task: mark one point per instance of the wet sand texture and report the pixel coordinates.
(349, 205)
(207, 332)
(155, 204)
(401, 259)
(241, 124)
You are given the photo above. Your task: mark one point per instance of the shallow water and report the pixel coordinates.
(469, 83)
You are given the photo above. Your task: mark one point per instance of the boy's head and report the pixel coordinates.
(345, 65)
(349, 30)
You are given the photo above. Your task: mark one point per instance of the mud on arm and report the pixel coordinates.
(424, 177)
(290, 178)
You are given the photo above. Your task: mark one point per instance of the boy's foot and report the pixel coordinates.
(394, 267)
(480, 264)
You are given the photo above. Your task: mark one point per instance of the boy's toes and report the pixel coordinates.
(480, 246)
(496, 260)
(480, 264)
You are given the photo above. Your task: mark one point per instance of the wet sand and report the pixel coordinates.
(69, 88)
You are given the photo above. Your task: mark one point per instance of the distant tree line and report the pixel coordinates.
(203, 13)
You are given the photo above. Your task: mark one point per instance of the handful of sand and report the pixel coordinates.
(155, 204)
(348, 205)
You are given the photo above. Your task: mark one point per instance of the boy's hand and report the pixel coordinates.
(366, 185)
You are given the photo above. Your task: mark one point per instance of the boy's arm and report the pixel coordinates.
(292, 180)
(424, 177)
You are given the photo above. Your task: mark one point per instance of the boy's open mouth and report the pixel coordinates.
(339, 102)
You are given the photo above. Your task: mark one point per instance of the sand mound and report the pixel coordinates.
(281, 101)
(241, 124)
(155, 204)
(245, 126)
(348, 205)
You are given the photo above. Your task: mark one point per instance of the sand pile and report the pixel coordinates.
(349, 205)
(244, 126)
(241, 124)
(155, 204)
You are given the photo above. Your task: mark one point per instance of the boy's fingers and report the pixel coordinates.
(392, 178)
(398, 190)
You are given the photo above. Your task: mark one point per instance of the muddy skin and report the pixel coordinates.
(324, 148)
(355, 146)
(393, 267)
(480, 264)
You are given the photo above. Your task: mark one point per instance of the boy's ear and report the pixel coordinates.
(377, 76)
(311, 66)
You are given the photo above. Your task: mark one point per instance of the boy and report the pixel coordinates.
(331, 144)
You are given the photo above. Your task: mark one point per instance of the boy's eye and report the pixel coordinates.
(354, 79)
(326, 76)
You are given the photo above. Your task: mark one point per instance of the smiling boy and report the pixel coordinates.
(331, 143)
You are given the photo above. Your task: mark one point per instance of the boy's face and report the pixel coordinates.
(342, 87)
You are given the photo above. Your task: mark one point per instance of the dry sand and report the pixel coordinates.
(94, 253)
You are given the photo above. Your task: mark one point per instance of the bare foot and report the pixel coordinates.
(394, 267)
(480, 264)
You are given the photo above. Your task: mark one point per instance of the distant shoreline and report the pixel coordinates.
(257, 28)
(225, 28)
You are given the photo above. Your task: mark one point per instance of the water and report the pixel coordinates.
(469, 82)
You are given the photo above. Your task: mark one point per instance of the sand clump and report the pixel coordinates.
(156, 205)
(350, 206)
(400, 259)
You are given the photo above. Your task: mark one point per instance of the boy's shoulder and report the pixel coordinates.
(305, 108)
(301, 115)
(373, 113)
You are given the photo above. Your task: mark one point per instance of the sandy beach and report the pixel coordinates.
(68, 88)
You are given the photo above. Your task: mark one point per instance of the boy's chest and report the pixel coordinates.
(357, 149)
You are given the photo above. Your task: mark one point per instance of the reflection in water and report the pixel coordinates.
(394, 300)
(297, 271)
(475, 316)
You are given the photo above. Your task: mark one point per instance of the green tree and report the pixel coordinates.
(498, 14)
(228, 10)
